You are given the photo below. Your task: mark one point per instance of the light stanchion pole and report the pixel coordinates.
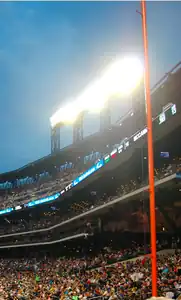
(150, 152)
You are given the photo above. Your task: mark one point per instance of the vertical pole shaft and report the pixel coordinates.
(150, 152)
(142, 198)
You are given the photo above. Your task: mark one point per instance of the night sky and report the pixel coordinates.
(49, 51)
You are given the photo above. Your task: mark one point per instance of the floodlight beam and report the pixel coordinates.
(119, 78)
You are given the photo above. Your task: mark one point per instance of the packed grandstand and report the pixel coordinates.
(75, 225)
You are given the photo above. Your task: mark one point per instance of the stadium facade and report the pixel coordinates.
(104, 163)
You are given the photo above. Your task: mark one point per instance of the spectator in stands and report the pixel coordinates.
(71, 279)
(76, 208)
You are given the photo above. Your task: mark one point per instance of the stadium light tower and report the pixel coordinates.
(150, 151)
(71, 114)
(120, 78)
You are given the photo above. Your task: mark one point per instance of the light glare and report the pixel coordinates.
(67, 114)
(93, 98)
(120, 78)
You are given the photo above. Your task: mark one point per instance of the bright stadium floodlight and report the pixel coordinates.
(65, 115)
(123, 76)
(56, 118)
(120, 78)
(93, 98)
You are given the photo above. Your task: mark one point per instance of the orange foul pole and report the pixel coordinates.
(150, 152)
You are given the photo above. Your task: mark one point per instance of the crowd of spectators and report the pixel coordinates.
(105, 276)
(81, 207)
(42, 188)
(47, 186)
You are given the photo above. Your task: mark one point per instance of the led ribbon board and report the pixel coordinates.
(43, 200)
(5, 211)
(88, 172)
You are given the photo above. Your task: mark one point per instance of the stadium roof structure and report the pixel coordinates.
(166, 90)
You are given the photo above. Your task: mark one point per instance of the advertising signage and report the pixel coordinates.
(90, 171)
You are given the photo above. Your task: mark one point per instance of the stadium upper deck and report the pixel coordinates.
(61, 188)
(127, 181)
